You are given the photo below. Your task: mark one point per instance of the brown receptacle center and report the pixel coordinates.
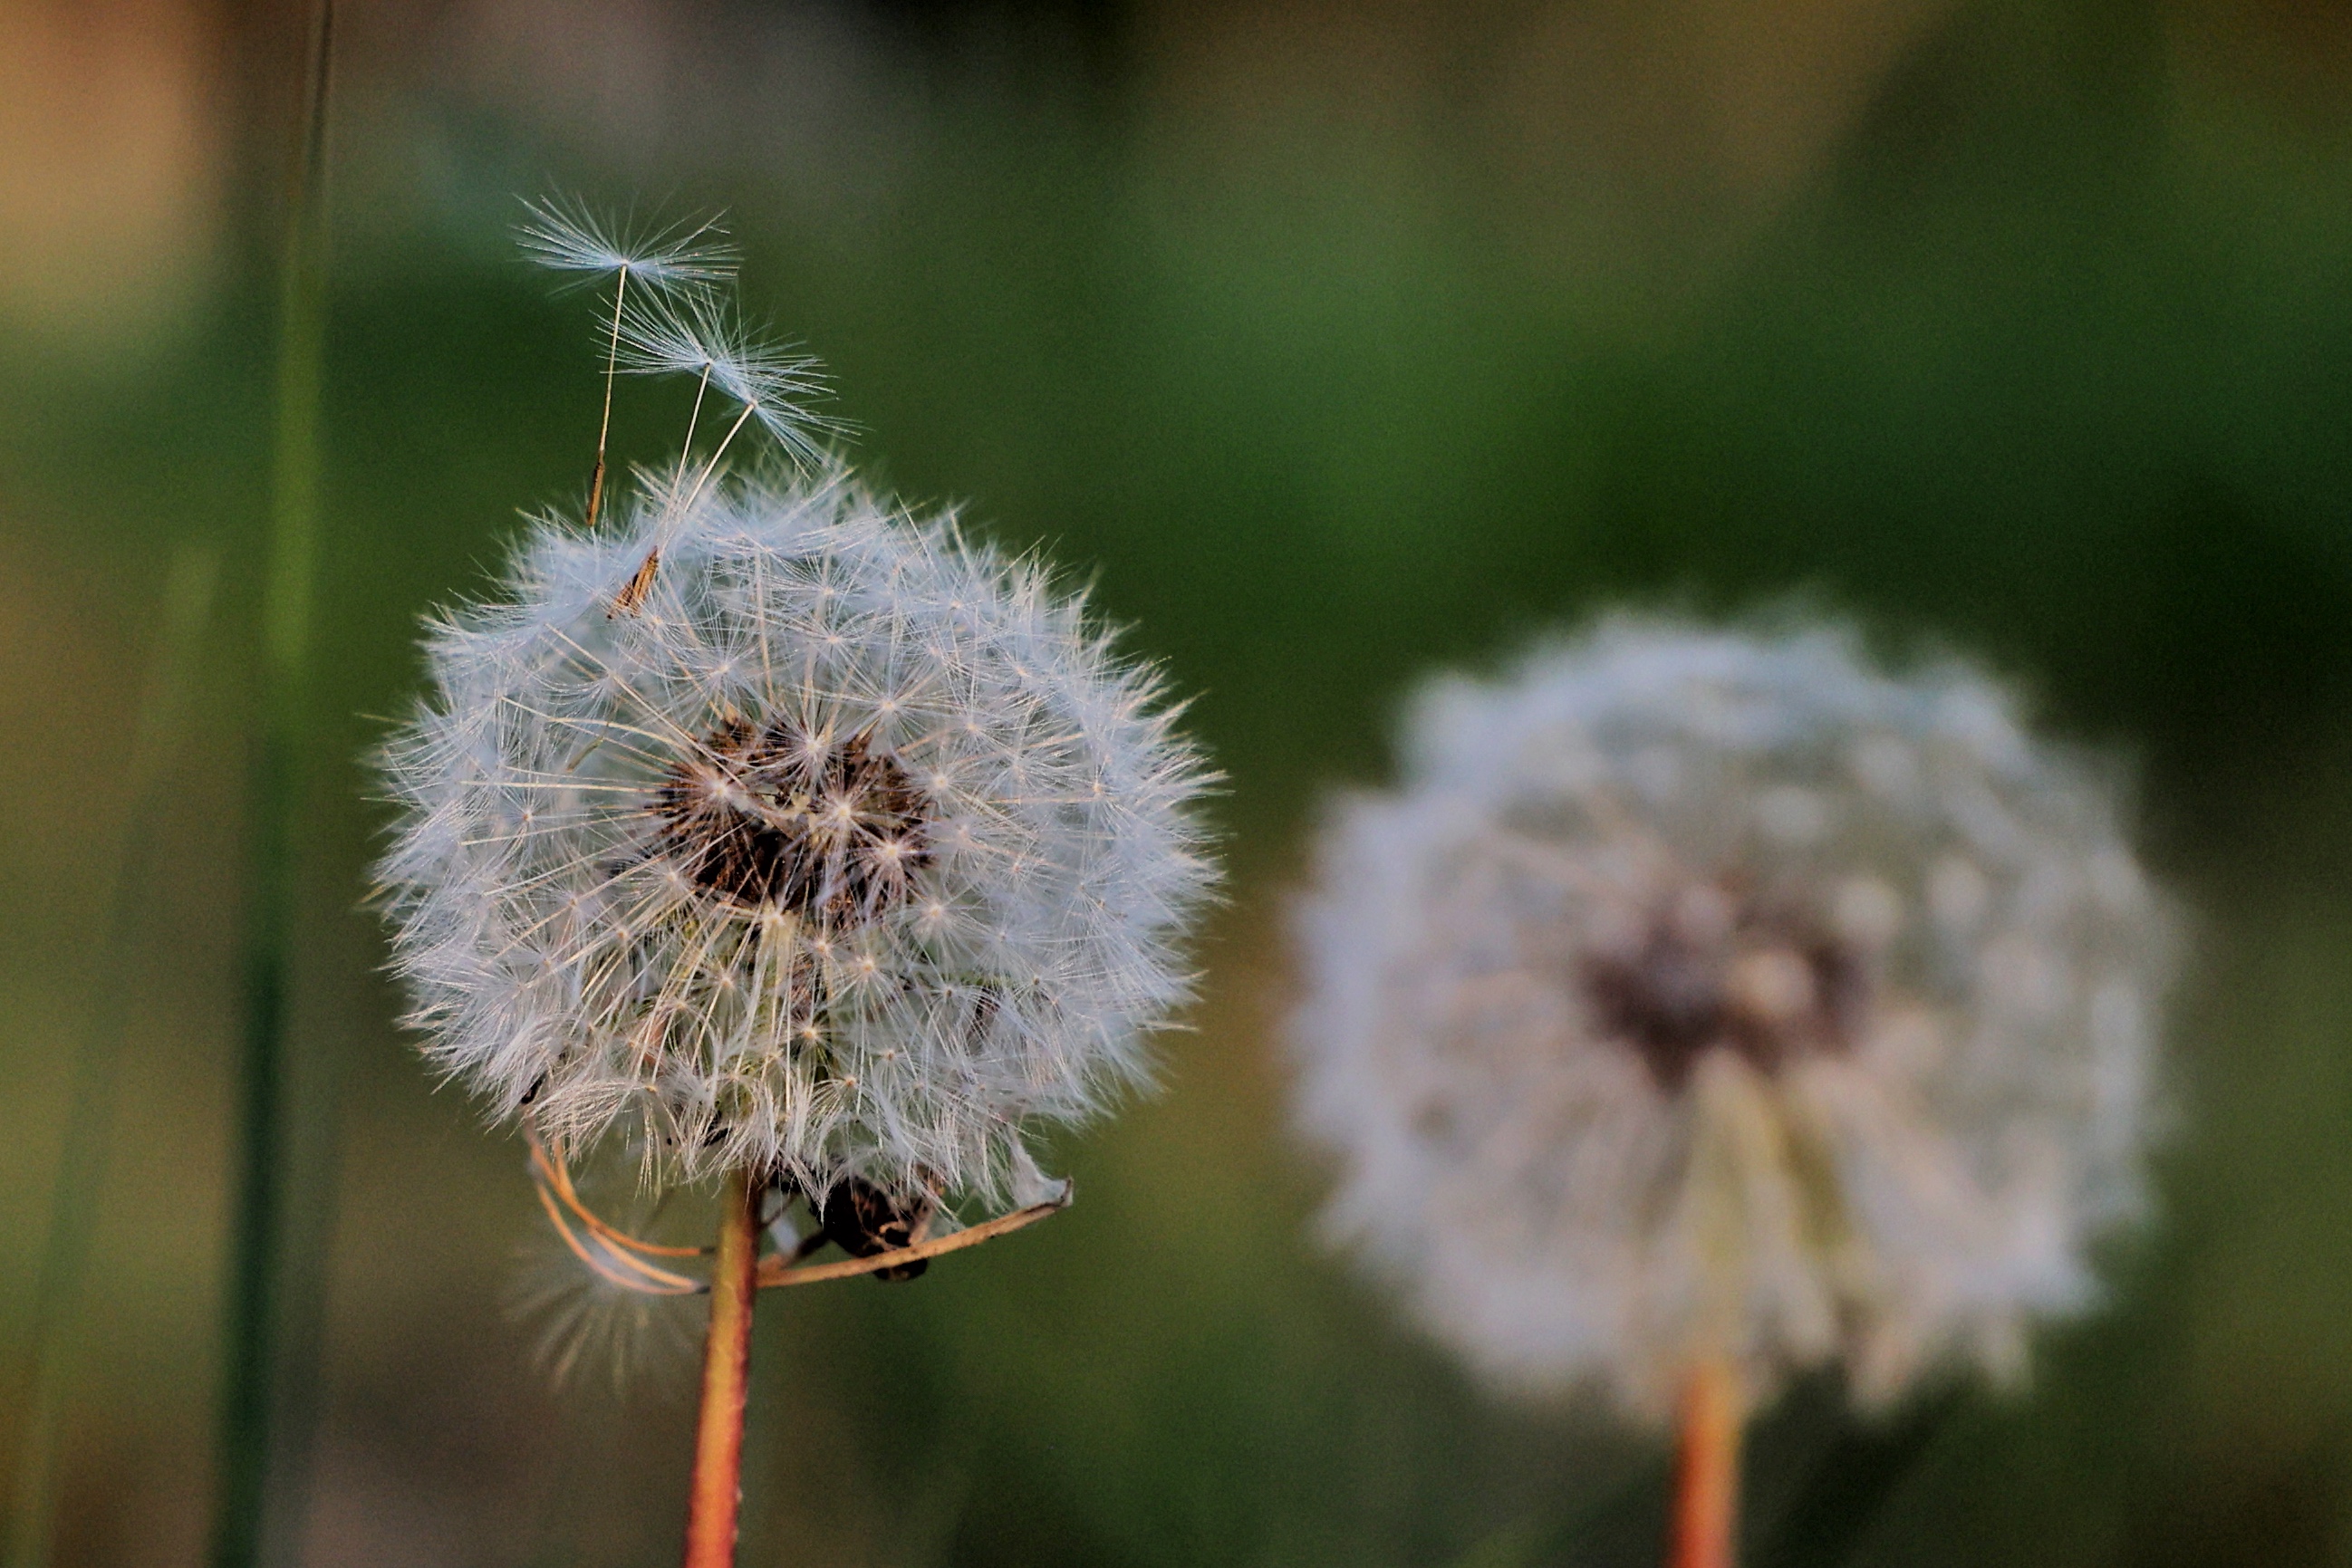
(778, 817)
(1767, 984)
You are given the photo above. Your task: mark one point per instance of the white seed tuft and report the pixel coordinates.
(700, 334)
(1705, 994)
(566, 235)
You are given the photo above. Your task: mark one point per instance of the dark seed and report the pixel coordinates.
(863, 1218)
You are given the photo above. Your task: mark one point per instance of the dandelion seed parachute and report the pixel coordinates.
(1702, 995)
(704, 336)
(845, 846)
(565, 235)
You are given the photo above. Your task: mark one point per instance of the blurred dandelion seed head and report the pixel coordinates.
(1701, 993)
(781, 828)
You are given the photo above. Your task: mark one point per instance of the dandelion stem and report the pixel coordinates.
(257, 1264)
(718, 1486)
(1706, 1479)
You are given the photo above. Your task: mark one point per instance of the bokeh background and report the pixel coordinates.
(1333, 342)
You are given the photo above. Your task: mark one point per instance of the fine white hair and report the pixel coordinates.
(1700, 994)
(792, 832)
(701, 334)
(564, 235)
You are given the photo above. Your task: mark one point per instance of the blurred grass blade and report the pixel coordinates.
(257, 1262)
(161, 722)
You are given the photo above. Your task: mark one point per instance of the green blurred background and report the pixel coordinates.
(1332, 343)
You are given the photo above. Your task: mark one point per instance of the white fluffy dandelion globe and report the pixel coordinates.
(1698, 995)
(791, 832)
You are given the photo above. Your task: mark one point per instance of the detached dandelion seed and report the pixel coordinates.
(566, 236)
(704, 336)
(1704, 1007)
(794, 839)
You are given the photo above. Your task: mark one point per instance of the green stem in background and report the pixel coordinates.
(90, 1106)
(257, 1264)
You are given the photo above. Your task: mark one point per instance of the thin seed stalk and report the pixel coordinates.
(716, 1494)
(1706, 1476)
(604, 429)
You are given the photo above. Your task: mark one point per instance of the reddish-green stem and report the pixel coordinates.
(1706, 1479)
(718, 1488)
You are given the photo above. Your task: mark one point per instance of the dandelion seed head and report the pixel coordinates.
(849, 851)
(1697, 993)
